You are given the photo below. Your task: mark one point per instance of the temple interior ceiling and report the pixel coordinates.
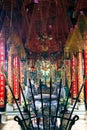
(40, 26)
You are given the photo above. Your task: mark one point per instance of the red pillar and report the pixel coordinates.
(10, 75)
(80, 76)
(74, 91)
(2, 78)
(16, 77)
(85, 64)
(85, 73)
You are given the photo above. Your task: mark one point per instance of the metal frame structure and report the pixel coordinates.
(26, 120)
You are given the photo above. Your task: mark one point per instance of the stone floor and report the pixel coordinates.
(80, 125)
(10, 124)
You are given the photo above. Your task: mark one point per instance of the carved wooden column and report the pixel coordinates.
(16, 77)
(67, 64)
(80, 75)
(10, 75)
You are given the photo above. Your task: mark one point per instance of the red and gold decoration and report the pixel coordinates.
(2, 78)
(16, 77)
(10, 75)
(80, 75)
(21, 75)
(85, 63)
(74, 91)
(67, 65)
(74, 43)
(85, 72)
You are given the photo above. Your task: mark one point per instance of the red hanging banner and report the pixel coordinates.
(2, 79)
(74, 91)
(16, 78)
(85, 73)
(86, 90)
(2, 90)
(67, 65)
(85, 63)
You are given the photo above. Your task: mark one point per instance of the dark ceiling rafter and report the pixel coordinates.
(81, 6)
